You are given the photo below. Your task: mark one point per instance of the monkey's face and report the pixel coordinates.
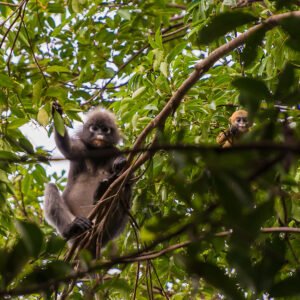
(100, 135)
(239, 120)
(100, 131)
(242, 124)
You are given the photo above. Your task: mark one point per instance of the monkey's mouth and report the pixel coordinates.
(243, 128)
(99, 141)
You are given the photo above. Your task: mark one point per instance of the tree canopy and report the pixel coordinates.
(206, 222)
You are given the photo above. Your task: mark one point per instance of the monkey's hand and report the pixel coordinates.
(103, 186)
(234, 130)
(117, 167)
(119, 164)
(101, 189)
(222, 137)
(78, 226)
(56, 107)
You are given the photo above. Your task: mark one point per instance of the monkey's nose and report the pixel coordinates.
(100, 137)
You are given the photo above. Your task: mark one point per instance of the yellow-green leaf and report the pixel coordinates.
(164, 68)
(37, 90)
(43, 117)
(60, 69)
(138, 92)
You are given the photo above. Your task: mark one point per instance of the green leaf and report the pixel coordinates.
(53, 270)
(26, 183)
(54, 245)
(216, 277)
(291, 25)
(234, 193)
(76, 6)
(273, 259)
(37, 90)
(6, 81)
(251, 46)
(288, 89)
(57, 92)
(32, 237)
(8, 156)
(117, 284)
(222, 24)
(3, 177)
(17, 123)
(26, 145)
(138, 92)
(287, 287)
(56, 7)
(124, 13)
(252, 86)
(158, 39)
(285, 3)
(176, 51)
(15, 260)
(252, 92)
(59, 124)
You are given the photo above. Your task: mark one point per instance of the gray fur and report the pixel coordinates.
(88, 169)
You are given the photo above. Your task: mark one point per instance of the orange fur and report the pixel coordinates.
(228, 137)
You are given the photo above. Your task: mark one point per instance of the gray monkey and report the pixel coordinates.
(90, 175)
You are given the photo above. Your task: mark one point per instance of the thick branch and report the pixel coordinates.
(262, 146)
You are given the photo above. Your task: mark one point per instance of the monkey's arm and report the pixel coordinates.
(69, 147)
(60, 217)
(223, 137)
(74, 149)
(118, 165)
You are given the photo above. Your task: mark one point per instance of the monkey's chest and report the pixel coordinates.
(92, 169)
(79, 195)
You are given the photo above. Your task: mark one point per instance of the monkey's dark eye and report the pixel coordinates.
(105, 129)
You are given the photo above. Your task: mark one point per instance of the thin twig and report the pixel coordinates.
(176, 31)
(116, 73)
(33, 54)
(20, 14)
(12, 23)
(9, 4)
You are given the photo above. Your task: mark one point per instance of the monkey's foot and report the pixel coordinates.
(78, 226)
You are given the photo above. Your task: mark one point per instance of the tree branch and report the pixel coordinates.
(134, 257)
(9, 4)
(262, 146)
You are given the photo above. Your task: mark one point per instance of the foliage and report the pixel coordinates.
(213, 223)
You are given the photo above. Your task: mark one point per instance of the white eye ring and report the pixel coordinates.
(93, 128)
